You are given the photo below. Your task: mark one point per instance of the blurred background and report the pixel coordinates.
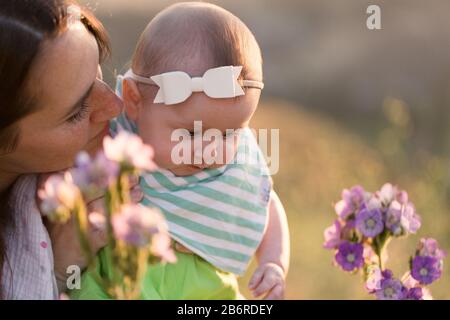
(353, 106)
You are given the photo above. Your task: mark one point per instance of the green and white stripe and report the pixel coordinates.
(219, 214)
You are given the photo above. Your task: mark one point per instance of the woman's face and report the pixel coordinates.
(73, 105)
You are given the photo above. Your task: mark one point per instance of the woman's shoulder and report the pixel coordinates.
(22, 199)
(24, 190)
(29, 271)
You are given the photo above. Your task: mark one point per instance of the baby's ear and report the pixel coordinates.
(132, 99)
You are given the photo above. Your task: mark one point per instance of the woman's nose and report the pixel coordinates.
(105, 103)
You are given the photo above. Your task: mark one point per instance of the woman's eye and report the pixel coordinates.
(80, 115)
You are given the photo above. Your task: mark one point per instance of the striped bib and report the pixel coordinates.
(219, 214)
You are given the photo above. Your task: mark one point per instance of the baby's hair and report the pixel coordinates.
(194, 37)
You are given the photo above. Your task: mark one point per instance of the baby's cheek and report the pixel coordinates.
(163, 153)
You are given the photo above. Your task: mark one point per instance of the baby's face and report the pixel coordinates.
(157, 123)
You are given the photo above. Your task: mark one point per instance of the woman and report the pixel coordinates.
(53, 104)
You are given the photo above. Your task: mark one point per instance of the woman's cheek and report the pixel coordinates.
(51, 152)
(71, 141)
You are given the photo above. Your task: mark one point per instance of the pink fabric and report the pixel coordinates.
(28, 273)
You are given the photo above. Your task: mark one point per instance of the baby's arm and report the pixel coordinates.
(273, 254)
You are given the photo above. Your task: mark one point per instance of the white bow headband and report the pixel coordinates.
(176, 87)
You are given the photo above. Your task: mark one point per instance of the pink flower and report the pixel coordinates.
(59, 197)
(430, 247)
(389, 193)
(97, 220)
(161, 247)
(374, 277)
(351, 201)
(409, 282)
(129, 150)
(332, 236)
(140, 226)
(410, 221)
(64, 296)
(370, 257)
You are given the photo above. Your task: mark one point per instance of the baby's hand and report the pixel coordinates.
(268, 278)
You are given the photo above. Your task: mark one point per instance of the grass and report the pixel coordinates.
(318, 158)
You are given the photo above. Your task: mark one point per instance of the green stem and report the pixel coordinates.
(379, 245)
(82, 226)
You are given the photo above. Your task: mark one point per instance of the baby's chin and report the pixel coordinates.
(184, 171)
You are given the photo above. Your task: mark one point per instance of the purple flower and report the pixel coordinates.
(387, 274)
(370, 222)
(351, 201)
(414, 294)
(137, 225)
(391, 289)
(430, 247)
(393, 218)
(332, 235)
(94, 176)
(425, 269)
(350, 256)
(140, 226)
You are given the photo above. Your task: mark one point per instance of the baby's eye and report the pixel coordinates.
(229, 133)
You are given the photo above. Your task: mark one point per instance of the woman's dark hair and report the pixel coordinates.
(24, 27)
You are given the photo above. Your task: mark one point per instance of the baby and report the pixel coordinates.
(220, 213)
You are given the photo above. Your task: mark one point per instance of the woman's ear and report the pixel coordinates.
(132, 99)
